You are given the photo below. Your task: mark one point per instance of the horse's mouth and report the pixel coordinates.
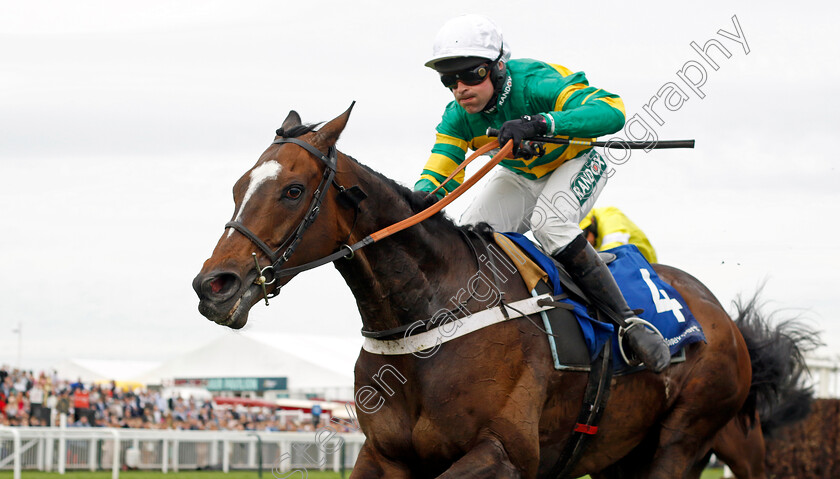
(237, 316)
(229, 317)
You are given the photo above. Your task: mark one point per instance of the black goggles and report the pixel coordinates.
(472, 76)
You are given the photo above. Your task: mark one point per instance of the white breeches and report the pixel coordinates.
(551, 207)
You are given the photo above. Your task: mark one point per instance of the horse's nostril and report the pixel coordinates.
(221, 286)
(217, 284)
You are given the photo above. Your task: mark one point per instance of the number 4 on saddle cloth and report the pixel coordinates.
(662, 305)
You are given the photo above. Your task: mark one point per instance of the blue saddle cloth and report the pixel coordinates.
(663, 306)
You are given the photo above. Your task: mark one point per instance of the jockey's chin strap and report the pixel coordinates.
(351, 197)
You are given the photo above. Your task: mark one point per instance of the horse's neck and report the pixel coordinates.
(407, 276)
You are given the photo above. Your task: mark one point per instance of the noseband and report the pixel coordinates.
(281, 255)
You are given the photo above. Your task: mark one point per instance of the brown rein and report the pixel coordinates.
(435, 208)
(484, 149)
(347, 251)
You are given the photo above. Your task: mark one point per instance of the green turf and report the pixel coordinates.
(707, 474)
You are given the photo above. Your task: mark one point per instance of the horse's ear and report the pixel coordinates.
(291, 121)
(329, 133)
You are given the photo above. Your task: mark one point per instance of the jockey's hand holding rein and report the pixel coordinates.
(520, 129)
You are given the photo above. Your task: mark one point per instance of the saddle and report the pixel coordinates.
(568, 345)
(569, 348)
(577, 332)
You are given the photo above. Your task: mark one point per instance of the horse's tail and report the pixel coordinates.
(777, 349)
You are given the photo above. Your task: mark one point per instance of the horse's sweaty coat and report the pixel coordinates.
(486, 405)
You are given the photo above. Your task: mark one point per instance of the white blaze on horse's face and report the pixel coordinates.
(259, 175)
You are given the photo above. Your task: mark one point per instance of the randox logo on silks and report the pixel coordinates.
(503, 96)
(583, 183)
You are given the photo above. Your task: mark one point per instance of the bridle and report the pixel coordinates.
(281, 255)
(350, 197)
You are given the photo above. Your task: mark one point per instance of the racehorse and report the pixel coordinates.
(488, 404)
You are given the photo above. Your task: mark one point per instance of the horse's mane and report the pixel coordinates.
(416, 200)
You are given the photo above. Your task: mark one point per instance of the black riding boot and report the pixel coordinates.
(582, 262)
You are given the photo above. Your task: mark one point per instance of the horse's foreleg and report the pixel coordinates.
(488, 459)
(370, 465)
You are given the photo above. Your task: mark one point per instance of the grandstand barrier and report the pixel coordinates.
(60, 449)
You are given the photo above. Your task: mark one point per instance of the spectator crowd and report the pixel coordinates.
(27, 399)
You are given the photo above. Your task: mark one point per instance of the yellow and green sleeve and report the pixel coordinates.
(447, 154)
(584, 111)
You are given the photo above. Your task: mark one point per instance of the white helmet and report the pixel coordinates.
(469, 36)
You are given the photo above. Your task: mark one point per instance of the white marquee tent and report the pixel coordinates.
(311, 363)
(95, 370)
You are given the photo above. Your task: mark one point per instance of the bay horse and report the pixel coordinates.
(485, 405)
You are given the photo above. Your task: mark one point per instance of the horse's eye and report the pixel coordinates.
(294, 192)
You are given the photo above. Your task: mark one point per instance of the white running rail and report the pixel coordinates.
(59, 449)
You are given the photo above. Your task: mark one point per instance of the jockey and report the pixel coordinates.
(608, 227)
(548, 194)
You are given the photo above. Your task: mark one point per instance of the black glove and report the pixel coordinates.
(524, 128)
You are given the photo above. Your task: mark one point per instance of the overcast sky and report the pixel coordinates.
(123, 127)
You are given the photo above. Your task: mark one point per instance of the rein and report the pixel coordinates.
(352, 196)
(435, 208)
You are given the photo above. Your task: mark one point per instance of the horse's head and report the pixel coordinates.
(274, 221)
